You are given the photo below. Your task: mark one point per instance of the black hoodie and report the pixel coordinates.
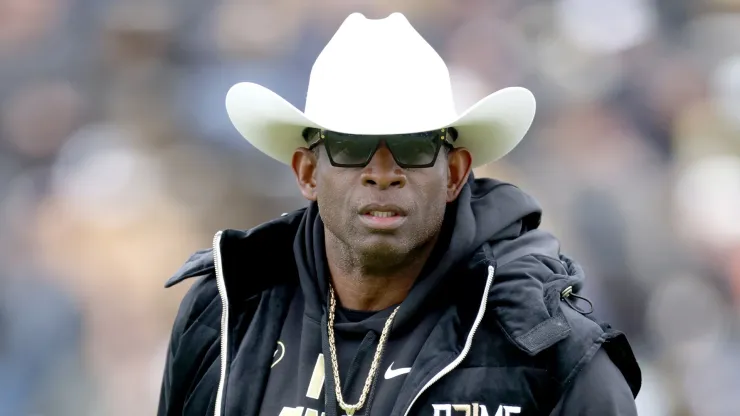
(490, 326)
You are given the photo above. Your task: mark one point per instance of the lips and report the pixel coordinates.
(382, 217)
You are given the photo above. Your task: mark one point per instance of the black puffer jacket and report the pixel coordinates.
(503, 335)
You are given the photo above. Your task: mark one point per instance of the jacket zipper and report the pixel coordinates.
(221, 285)
(468, 343)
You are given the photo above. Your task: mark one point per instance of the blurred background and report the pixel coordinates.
(117, 160)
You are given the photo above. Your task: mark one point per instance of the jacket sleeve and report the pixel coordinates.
(171, 399)
(165, 390)
(600, 389)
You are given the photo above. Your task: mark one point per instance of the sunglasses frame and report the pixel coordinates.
(446, 137)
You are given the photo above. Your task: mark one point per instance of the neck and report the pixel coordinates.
(364, 285)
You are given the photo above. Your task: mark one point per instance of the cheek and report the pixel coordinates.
(329, 208)
(332, 192)
(433, 197)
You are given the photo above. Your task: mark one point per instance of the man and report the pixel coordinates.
(406, 287)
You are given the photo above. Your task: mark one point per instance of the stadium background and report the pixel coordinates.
(117, 160)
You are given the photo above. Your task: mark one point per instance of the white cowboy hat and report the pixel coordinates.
(380, 77)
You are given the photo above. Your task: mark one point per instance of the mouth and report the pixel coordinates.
(382, 211)
(382, 217)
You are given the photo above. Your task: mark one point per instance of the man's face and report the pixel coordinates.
(382, 212)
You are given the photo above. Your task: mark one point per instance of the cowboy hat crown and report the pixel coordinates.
(379, 77)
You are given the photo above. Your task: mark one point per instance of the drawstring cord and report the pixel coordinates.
(568, 293)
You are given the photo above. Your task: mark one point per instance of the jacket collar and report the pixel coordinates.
(262, 248)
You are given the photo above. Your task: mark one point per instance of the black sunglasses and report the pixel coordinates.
(413, 150)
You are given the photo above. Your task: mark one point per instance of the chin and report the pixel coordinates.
(383, 252)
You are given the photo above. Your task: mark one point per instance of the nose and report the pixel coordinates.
(382, 171)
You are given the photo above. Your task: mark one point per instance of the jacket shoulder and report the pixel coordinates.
(539, 309)
(259, 242)
(589, 335)
(201, 304)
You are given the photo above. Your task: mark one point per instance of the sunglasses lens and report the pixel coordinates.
(348, 149)
(409, 150)
(414, 149)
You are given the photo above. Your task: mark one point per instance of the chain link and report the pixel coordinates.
(352, 408)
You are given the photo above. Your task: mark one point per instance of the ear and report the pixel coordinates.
(304, 166)
(459, 162)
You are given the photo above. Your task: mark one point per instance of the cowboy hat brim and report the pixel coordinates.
(489, 129)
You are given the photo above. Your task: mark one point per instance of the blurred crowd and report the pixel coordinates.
(117, 160)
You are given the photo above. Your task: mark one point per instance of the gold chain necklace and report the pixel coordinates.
(350, 409)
